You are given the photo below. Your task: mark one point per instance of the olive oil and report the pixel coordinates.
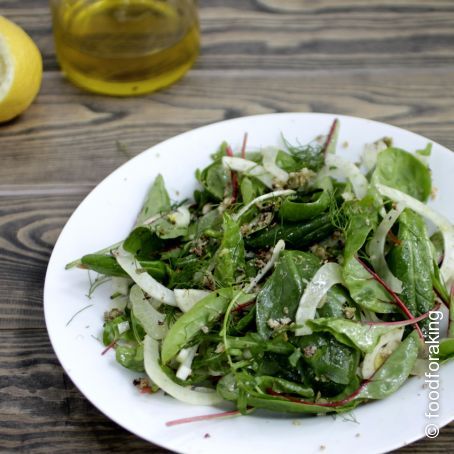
(125, 47)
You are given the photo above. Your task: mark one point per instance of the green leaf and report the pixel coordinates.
(403, 171)
(329, 358)
(280, 296)
(362, 218)
(338, 303)
(229, 257)
(143, 243)
(394, 371)
(250, 188)
(130, 356)
(411, 261)
(107, 265)
(295, 235)
(203, 314)
(281, 385)
(214, 179)
(446, 352)
(365, 290)
(354, 334)
(157, 201)
(293, 210)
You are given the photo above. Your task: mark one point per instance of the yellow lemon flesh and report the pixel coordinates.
(21, 70)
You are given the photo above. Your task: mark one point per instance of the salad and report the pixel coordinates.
(294, 280)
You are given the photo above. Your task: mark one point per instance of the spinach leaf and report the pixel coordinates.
(362, 218)
(402, 170)
(328, 358)
(366, 291)
(293, 210)
(143, 243)
(438, 244)
(229, 259)
(339, 304)
(446, 351)
(394, 371)
(157, 201)
(411, 261)
(354, 334)
(214, 179)
(279, 297)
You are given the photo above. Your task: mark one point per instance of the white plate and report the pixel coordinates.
(106, 216)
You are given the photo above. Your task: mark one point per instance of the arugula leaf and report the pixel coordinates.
(279, 297)
(403, 171)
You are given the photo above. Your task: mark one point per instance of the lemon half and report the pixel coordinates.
(21, 70)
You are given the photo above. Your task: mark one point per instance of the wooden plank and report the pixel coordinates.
(298, 34)
(70, 136)
(29, 226)
(42, 411)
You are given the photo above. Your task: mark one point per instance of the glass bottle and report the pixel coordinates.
(125, 47)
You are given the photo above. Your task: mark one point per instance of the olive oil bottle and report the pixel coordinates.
(125, 47)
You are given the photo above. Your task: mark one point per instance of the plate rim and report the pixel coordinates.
(139, 156)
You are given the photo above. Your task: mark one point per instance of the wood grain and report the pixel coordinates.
(304, 34)
(29, 227)
(390, 60)
(35, 393)
(72, 136)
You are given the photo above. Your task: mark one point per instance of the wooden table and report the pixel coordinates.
(390, 60)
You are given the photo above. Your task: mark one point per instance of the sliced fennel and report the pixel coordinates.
(180, 217)
(186, 356)
(262, 198)
(446, 228)
(147, 283)
(249, 168)
(204, 396)
(280, 246)
(376, 249)
(386, 345)
(328, 275)
(152, 321)
(338, 167)
(187, 298)
(269, 164)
